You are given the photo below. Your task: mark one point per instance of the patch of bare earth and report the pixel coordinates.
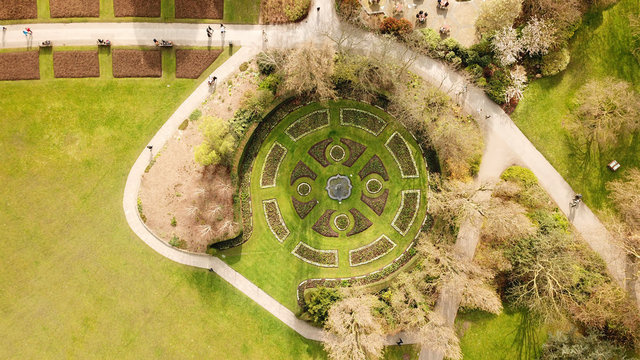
(136, 8)
(18, 9)
(74, 8)
(199, 9)
(198, 197)
(24, 65)
(190, 63)
(137, 63)
(76, 64)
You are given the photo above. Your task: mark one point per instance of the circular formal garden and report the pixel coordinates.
(337, 190)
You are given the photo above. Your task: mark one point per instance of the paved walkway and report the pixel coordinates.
(506, 144)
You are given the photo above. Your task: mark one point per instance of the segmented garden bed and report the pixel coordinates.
(74, 8)
(76, 64)
(199, 9)
(18, 9)
(137, 8)
(22, 65)
(137, 63)
(374, 166)
(191, 63)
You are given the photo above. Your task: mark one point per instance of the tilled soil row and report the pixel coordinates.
(76, 64)
(137, 8)
(23, 65)
(74, 8)
(199, 9)
(137, 63)
(18, 9)
(191, 63)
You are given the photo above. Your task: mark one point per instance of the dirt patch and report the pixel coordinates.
(137, 63)
(24, 65)
(18, 9)
(74, 8)
(199, 9)
(191, 63)
(76, 64)
(137, 8)
(230, 94)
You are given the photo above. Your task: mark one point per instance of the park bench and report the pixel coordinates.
(614, 165)
(45, 44)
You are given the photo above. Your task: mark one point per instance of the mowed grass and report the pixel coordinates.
(269, 263)
(601, 48)
(75, 281)
(511, 335)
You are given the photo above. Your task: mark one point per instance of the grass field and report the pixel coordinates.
(600, 48)
(511, 335)
(269, 263)
(235, 12)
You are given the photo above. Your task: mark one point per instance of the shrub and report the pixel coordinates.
(578, 347)
(296, 9)
(497, 86)
(174, 222)
(319, 302)
(184, 125)
(555, 62)
(431, 38)
(195, 115)
(391, 25)
(271, 83)
(244, 66)
(218, 144)
(348, 9)
(176, 242)
(266, 65)
(497, 14)
(520, 175)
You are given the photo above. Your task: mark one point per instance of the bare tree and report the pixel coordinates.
(497, 14)
(625, 194)
(205, 230)
(506, 220)
(440, 337)
(308, 71)
(538, 36)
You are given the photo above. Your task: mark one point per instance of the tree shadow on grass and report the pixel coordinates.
(525, 341)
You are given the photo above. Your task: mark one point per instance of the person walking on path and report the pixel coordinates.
(29, 31)
(209, 31)
(222, 29)
(576, 200)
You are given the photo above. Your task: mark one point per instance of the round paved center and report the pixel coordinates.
(338, 187)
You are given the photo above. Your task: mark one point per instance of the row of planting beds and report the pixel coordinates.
(199, 9)
(74, 8)
(137, 63)
(76, 64)
(275, 220)
(376, 204)
(272, 164)
(323, 225)
(407, 212)
(307, 124)
(355, 151)
(319, 152)
(191, 63)
(136, 8)
(363, 120)
(324, 258)
(361, 223)
(18, 9)
(303, 208)
(24, 65)
(371, 252)
(400, 151)
(302, 170)
(374, 166)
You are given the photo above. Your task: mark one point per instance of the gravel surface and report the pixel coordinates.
(76, 64)
(191, 63)
(22, 65)
(137, 63)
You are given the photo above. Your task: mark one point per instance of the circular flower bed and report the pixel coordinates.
(341, 222)
(337, 153)
(374, 186)
(304, 189)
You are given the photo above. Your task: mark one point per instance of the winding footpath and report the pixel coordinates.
(505, 143)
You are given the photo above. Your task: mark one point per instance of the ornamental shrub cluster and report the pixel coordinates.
(393, 26)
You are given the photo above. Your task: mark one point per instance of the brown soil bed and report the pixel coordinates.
(137, 8)
(18, 9)
(191, 63)
(76, 64)
(199, 9)
(22, 65)
(137, 63)
(74, 8)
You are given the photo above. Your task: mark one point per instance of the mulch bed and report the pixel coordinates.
(191, 63)
(199, 9)
(76, 64)
(23, 65)
(137, 8)
(18, 9)
(74, 8)
(137, 63)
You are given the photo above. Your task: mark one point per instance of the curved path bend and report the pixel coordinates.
(505, 143)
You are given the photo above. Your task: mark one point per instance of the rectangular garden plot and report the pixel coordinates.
(400, 151)
(74, 8)
(22, 65)
(76, 64)
(137, 63)
(18, 9)
(407, 212)
(136, 8)
(190, 63)
(274, 219)
(308, 124)
(363, 120)
(324, 258)
(371, 252)
(271, 165)
(199, 9)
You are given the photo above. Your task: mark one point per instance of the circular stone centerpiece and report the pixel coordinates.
(339, 187)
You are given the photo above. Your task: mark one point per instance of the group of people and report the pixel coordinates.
(27, 32)
(104, 42)
(443, 5)
(210, 30)
(422, 16)
(162, 42)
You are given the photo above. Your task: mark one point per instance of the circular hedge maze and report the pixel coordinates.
(340, 186)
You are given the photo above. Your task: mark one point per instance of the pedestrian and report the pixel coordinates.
(222, 29)
(318, 8)
(29, 31)
(209, 31)
(576, 200)
(4, 28)
(264, 36)
(25, 32)
(155, 41)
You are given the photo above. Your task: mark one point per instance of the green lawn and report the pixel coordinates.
(600, 48)
(270, 263)
(511, 335)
